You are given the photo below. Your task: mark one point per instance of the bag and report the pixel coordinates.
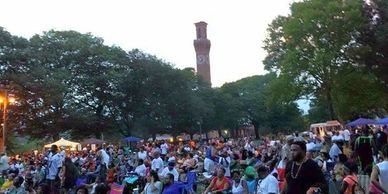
(357, 189)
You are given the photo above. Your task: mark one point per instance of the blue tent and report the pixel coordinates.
(132, 139)
(383, 121)
(361, 121)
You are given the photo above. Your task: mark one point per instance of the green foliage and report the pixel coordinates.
(315, 51)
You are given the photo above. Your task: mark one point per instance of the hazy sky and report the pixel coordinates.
(164, 28)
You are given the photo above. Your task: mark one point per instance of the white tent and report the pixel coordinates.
(63, 142)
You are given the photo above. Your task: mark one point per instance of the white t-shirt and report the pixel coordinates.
(173, 171)
(268, 185)
(142, 155)
(157, 163)
(346, 135)
(141, 170)
(54, 163)
(4, 163)
(164, 148)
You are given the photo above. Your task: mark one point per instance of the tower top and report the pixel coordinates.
(201, 30)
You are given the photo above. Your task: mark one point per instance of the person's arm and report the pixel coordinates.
(245, 187)
(374, 177)
(209, 187)
(344, 186)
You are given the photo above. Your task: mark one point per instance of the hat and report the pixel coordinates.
(289, 137)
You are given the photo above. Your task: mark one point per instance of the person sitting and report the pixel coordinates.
(219, 183)
(170, 169)
(239, 185)
(350, 180)
(153, 186)
(172, 187)
(17, 186)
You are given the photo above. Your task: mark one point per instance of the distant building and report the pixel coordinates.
(202, 49)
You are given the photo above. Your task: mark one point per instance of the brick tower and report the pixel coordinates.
(202, 49)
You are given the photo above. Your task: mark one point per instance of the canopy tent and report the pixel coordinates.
(361, 121)
(383, 121)
(92, 141)
(164, 137)
(132, 139)
(63, 142)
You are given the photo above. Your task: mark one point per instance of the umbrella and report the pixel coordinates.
(92, 141)
(361, 121)
(132, 139)
(383, 121)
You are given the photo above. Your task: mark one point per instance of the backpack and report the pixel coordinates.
(357, 189)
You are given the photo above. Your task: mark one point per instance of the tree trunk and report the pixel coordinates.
(330, 105)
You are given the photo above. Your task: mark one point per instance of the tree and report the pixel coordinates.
(312, 49)
(254, 107)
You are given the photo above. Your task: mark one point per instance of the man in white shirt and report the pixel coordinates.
(346, 135)
(141, 169)
(170, 169)
(4, 160)
(334, 151)
(54, 165)
(142, 154)
(164, 148)
(267, 183)
(157, 163)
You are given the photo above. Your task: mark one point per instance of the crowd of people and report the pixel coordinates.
(332, 162)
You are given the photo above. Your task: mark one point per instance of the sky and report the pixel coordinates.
(165, 28)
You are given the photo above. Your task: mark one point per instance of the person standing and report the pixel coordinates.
(54, 166)
(4, 162)
(364, 149)
(303, 174)
(379, 176)
(157, 163)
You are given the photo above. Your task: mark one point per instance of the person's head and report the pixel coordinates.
(101, 189)
(153, 176)
(169, 179)
(289, 139)
(298, 150)
(54, 148)
(141, 161)
(220, 172)
(342, 158)
(189, 155)
(18, 181)
(81, 190)
(43, 189)
(262, 171)
(11, 176)
(325, 155)
(156, 154)
(353, 169)
(171, 166)
(236, 175)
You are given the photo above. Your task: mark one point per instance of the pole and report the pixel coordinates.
(5, 102)
(4, 124)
